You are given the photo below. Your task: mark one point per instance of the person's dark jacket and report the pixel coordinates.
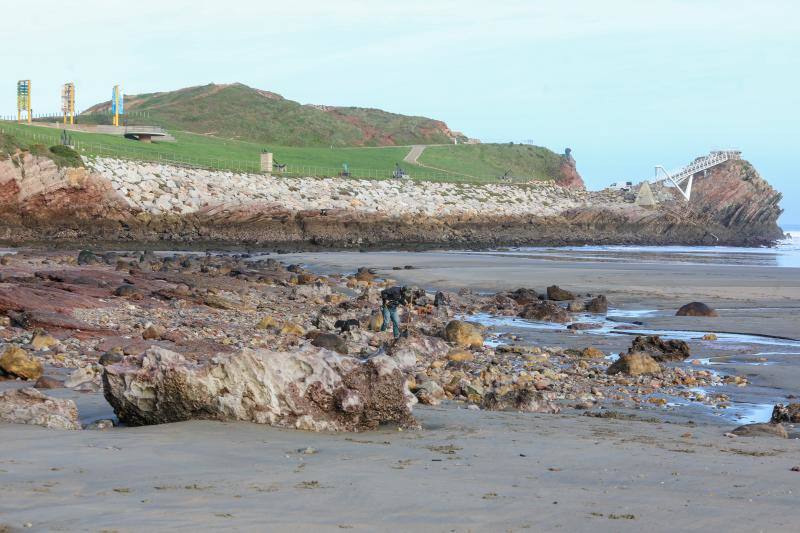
(393, 297)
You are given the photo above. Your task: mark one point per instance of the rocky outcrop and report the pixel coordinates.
(524, 296)
(526, 399)
(408, 350)
(429, 393)
(659, 349)
(308, 389)
(554, 292)
(545, 312)
(634, 364)
(786, 413)
(17, 362)
(29, 406)
(43, 199)
(597, 305)
(151, 203)
(761, 430)
(463, 334)
(568, 172)
(696, 309)
(733, 196)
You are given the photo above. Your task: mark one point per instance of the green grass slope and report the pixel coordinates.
(521, 161)
(483, 163)
(62, 156)
(239, 112)
(202, 150)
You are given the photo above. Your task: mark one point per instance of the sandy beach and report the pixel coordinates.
(465, 471)
(657, 467)
(446, 267)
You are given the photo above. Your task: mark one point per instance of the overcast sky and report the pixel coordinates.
(626, 84)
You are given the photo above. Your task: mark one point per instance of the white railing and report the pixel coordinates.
(685, 175)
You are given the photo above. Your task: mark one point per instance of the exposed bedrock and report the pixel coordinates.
(178, 207)
(40, 200)
(312, 389)
(29, 406)
(568, 175)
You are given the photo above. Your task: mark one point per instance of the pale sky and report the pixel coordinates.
(627, 84)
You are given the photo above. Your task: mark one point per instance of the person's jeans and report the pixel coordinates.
(390, 313)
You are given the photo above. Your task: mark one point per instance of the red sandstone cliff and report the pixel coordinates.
(35, 193)
(734, 196)
(568, 173)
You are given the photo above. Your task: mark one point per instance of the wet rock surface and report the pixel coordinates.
(635, 364)
(597, 305)
(29, 406)
(786, 413)
(696, 309)
(556, 293)
(545, 311)
(203, 318)
(659, 349)
(762, 430)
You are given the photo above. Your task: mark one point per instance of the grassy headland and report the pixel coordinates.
(62, 156)
(459, 163)
(240, 112)
(487, 160)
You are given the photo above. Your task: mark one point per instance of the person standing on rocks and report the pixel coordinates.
(391, 299)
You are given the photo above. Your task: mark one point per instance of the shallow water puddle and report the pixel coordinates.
(605, 326)
(733, 338)
(635, 313)
(736, 411)
(707, 361)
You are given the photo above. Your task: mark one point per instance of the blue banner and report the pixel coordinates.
(117, 104)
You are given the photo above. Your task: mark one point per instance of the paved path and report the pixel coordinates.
(414, 153)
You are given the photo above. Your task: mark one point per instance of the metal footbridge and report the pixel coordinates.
(683, 177)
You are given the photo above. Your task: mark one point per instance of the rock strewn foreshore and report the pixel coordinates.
(221, 337)
(139, 204)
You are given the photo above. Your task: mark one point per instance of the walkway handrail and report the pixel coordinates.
(144, 129)
(685, 174)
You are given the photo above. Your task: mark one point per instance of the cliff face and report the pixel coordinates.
(568, 174)
(735, 197)
(172, 207)
(38, 198)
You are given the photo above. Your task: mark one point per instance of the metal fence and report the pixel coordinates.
(89, 118)
(243, 165)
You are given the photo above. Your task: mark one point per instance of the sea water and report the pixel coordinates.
(785, 254)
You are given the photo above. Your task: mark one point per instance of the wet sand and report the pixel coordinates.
(466, 470)
(650, 285)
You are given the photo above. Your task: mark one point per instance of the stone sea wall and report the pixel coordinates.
(135, 203)
(159, 189)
